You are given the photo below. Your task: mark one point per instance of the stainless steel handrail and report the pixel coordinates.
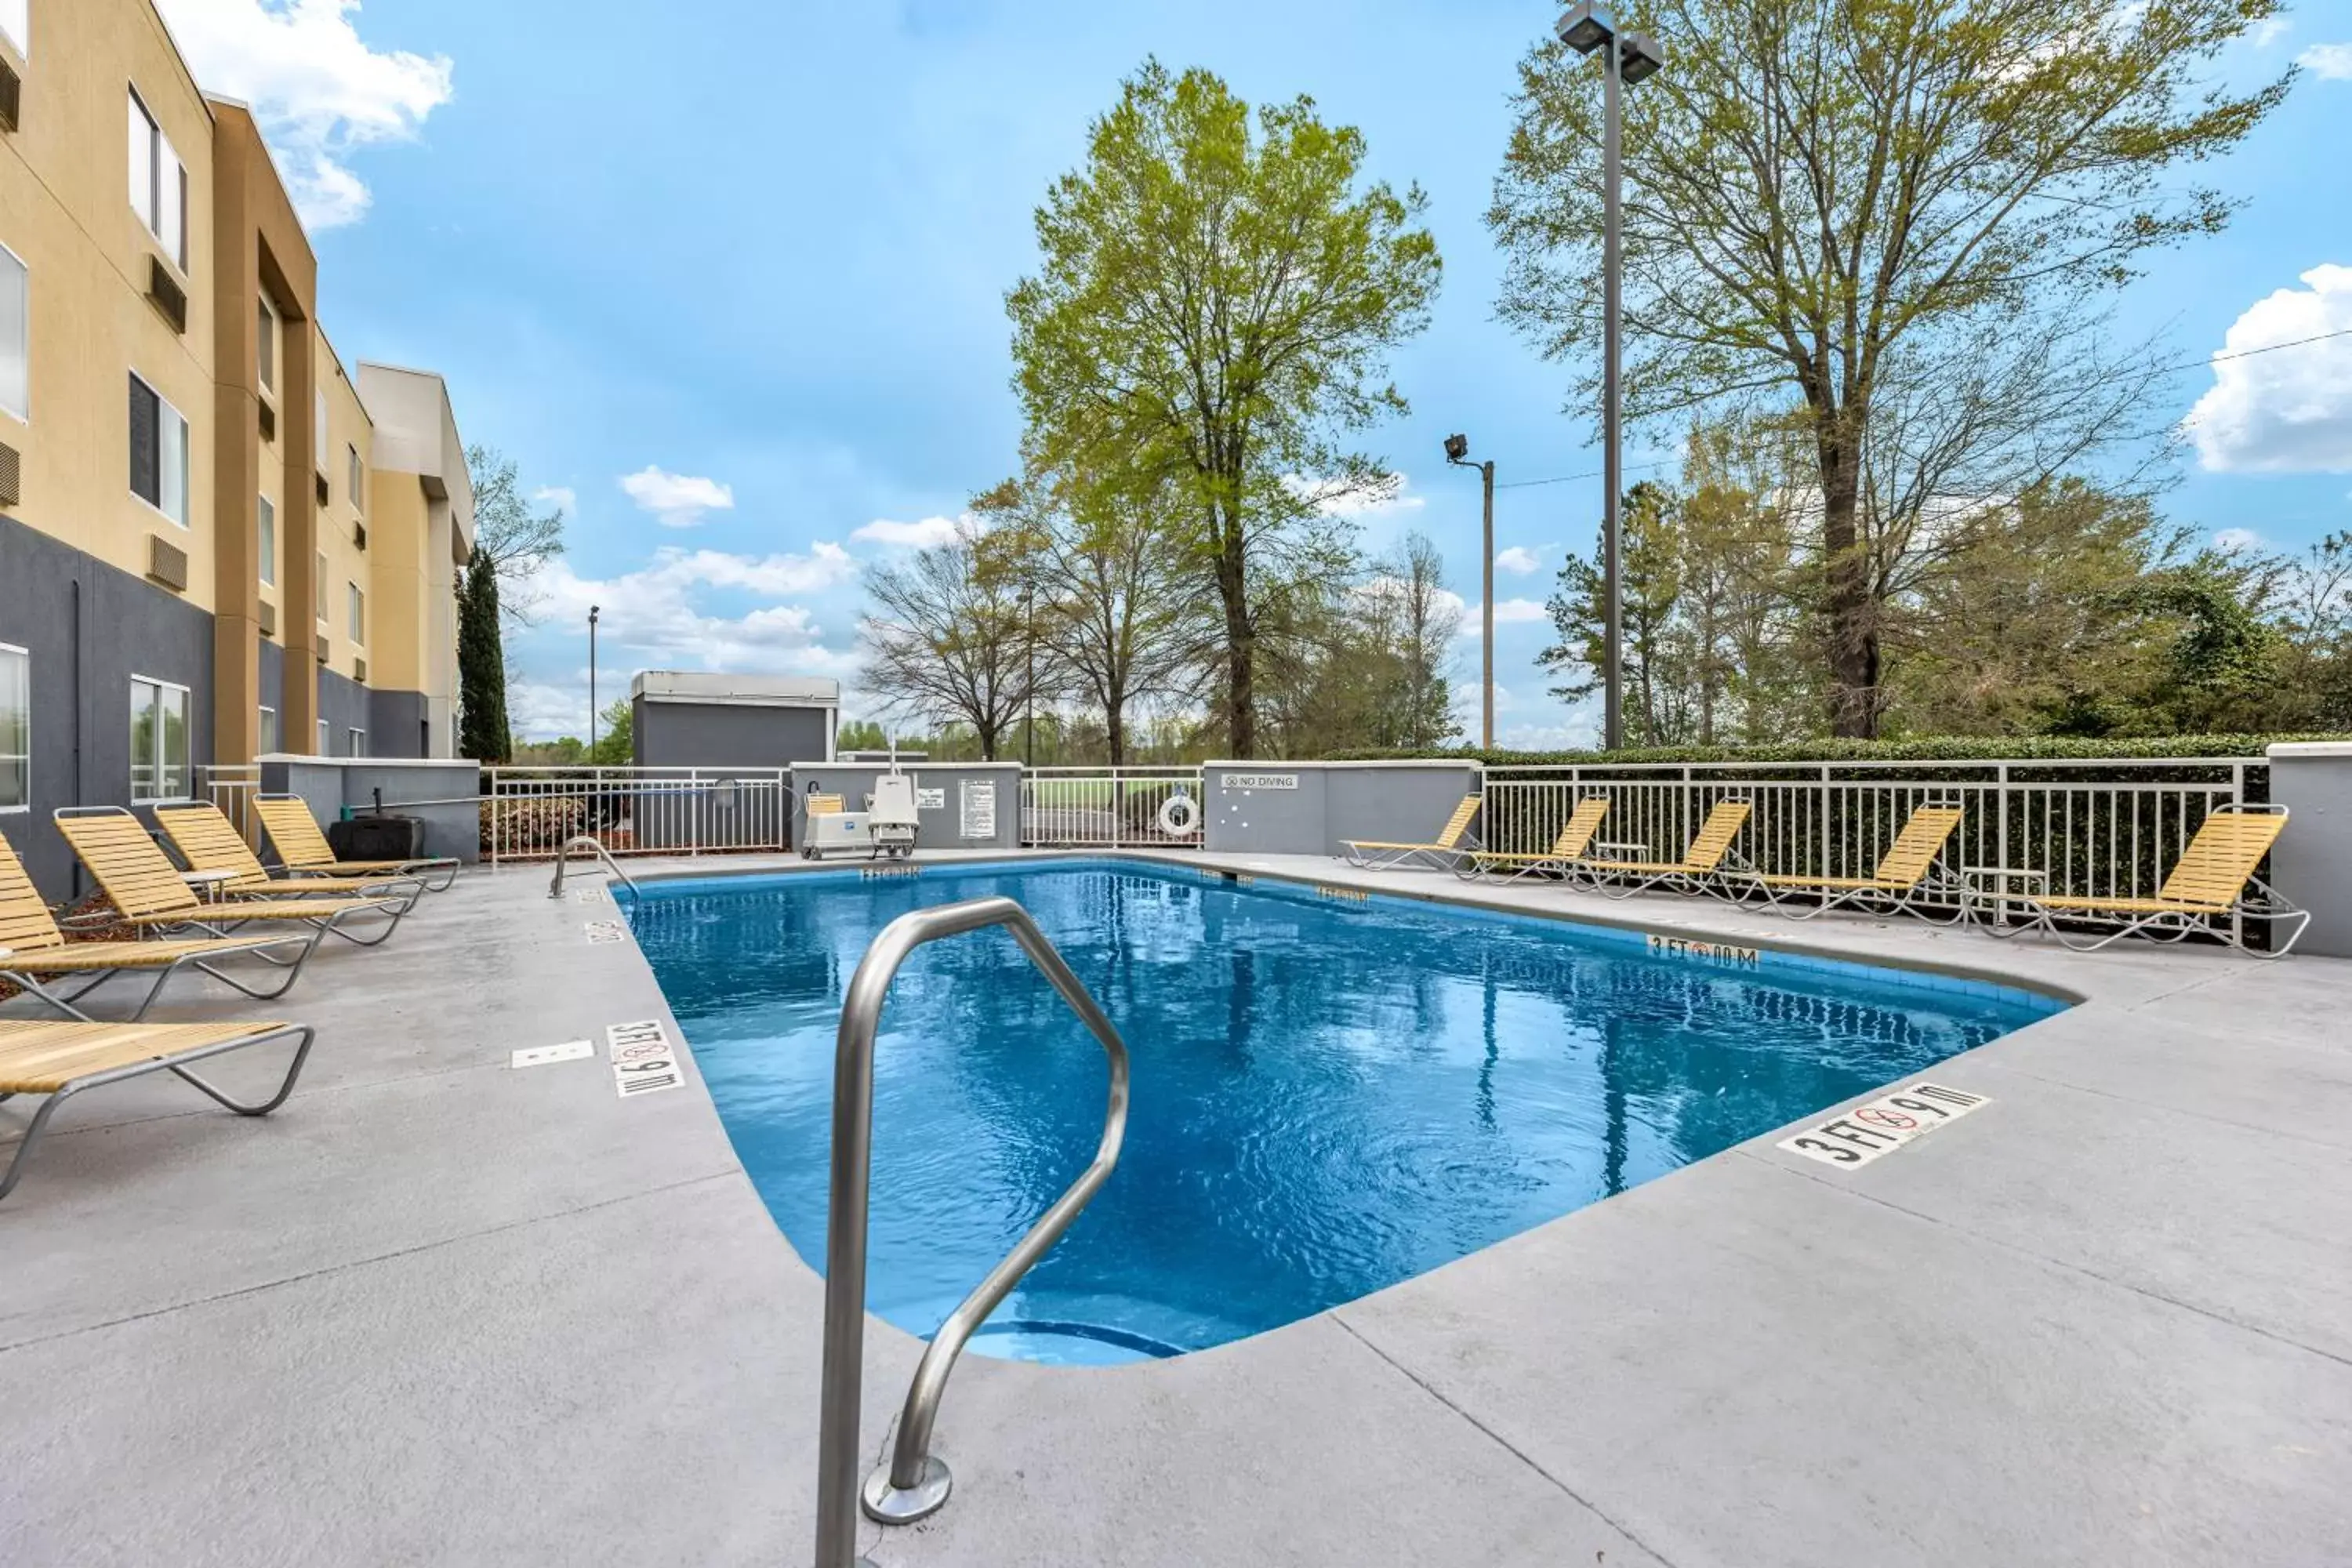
(564, 855)
(915, 1483)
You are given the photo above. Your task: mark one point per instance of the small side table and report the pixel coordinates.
(1996, 887)
(1620, 849)
(208, 884)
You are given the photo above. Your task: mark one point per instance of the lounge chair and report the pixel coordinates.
(1440, 853)
(1699, 871)
(1905, 872)
(210, 843)
(2207, 891)
(1583, 825)
(294, 834)
(32, 947)
(149, 892)
(60, 1060)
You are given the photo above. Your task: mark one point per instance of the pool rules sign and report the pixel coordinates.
(1882, 1126)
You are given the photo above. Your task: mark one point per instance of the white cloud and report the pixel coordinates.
(676, 500)
(564, 497)
(2234, 540)
(655, 617)
(317, 90)
(1507, 611)
(2269, 30)
(2290, 411)
(1386, 496)
(1518, 561)
(2331, 62)
(920, 535)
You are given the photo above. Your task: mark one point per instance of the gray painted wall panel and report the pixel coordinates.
(89, 628)
(940, 828)
(397, 724)
(727, 735)
(343, 704)
(330, 787)
(2313, 862)
(1332, 803)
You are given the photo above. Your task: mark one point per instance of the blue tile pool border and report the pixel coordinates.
(1290, 886)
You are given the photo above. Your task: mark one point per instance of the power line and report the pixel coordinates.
(2160, 369)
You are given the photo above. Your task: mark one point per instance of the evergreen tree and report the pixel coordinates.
(481, 666)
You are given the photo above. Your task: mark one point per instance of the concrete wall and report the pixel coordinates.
(89, 628)
(727, 735)
(942, 825)
(346, 706)
(1308, 808)
(440, 791)
(396, 725)
(2312, 866)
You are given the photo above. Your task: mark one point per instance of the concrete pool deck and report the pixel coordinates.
(440, 1311)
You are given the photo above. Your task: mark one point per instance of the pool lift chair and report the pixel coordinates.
(886, 828)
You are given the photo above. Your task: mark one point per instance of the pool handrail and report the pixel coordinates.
(563, 857)
(915, 1483)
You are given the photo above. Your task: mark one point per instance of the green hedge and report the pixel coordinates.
(1922, 748)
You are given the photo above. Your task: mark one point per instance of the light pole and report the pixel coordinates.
(594, 611)
(1630, 57)
(1457, 452)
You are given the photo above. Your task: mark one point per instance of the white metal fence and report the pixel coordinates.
(2099, 829)
(232, 786)
(528, 812)
(1125, 809)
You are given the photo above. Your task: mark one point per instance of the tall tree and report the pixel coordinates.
(949, 639)
(482, 733)
(1832, 197)
(516, 537)
(1218, 300)
(1120, 610)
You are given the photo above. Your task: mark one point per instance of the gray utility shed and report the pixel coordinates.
(690, 720)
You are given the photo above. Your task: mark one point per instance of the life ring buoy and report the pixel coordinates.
(1179, 815)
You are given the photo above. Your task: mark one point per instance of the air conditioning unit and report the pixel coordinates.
(165, 290)
(12, 96)
(268, 619)
(322, 488)
(325, 649)
(359, 670)
(12, 476)
(167, 563)
(358, 536)
(268, 421)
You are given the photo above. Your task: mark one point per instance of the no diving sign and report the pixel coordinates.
(643, 1059)
(1886, 1123)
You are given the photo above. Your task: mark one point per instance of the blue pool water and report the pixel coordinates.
(1328, 1097)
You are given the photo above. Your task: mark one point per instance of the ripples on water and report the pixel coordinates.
(1328, 1098)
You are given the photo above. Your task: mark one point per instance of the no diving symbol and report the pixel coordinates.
(1880, 1116)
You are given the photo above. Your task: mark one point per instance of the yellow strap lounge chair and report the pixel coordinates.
(1905, 872)
(1583, 825)
(1439, 853)
(148, 890)
(294, 834)
(1699, 871)
(209, 842)
(32, 947)
(2208, 891)
(60, 1060)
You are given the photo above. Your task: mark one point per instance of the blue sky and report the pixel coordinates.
(727, 279)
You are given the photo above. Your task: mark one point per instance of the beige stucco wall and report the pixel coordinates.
(341, 518)
(65, 210)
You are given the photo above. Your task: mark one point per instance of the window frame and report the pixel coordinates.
(266, 355)
(319, 437)
(165, 407)
(161, 762)
(9, 650)
(268, 737)
(20, 37)
(355, 602)
(23, 415)
(326, 738)
(265, 518)
(164, 198)
(354, 743)
(318, 595)
(358, 478)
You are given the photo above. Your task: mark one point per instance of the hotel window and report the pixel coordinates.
(323, 734)
(158, 740)
(359, 614)
(159, 452)
(268, 730)
(16, 727)
(268, 543)
(358, 493)
(159, 185)
(16, 336)
(12, 25)
(318, 595)
(268, 348)
(355, 742)
(319, 432)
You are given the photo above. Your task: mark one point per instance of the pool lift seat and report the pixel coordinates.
(914, 1485)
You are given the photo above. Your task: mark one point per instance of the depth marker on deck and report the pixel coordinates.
(1883, 1125)
(644, 1061)
(607, 930)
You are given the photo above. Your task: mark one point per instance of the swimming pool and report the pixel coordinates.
(1329, 1096)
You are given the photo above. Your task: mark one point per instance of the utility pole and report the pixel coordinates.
(1457, 452)
(594, 611)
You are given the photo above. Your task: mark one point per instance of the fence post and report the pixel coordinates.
(1827, 868)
